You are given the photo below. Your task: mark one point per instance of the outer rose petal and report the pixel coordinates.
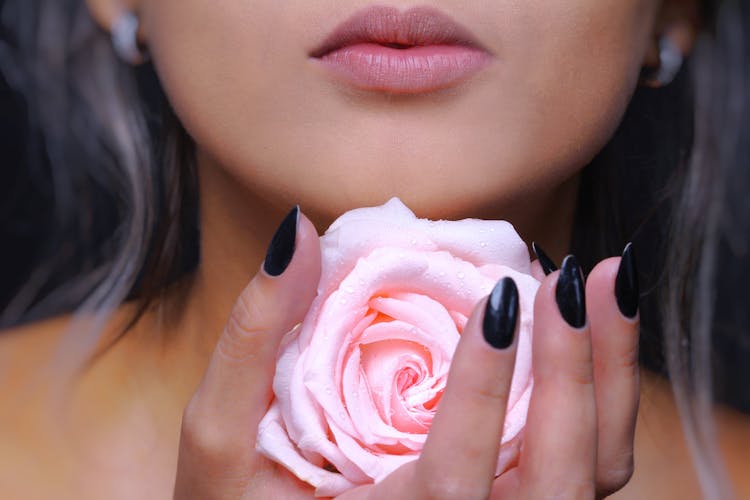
(273, 441)
(360, 231)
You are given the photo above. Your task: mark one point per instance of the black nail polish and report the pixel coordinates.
(571, 293)
(499, 325)
(627, 290)
(548, 265)
(281, 249)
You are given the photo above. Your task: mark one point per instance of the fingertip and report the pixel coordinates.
(558, 347)
(294, 247)
(537, 272)
(604, 273)
(601, 294)
(283, 245)
(308, 242)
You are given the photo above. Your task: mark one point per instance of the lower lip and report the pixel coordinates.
(413, 70)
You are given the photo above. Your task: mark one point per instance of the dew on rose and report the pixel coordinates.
(353, 453)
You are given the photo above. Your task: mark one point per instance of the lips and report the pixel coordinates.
(417, 51)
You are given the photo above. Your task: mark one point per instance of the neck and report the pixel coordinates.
(237, 224)
(236, 227)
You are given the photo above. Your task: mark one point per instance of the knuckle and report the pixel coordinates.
(581, 373)
(247, 312)
(615, 477)
(486, 390)
(628, 359)
(200, 437)
(244, 333)
(450, 487)
(437, 480)
(489, 396)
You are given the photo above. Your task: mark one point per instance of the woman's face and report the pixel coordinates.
(557, 80)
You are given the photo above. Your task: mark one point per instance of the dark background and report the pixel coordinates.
(24, 204)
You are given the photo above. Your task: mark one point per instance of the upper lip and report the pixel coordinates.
(418, 26)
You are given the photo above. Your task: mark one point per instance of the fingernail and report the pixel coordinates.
(499, 325)
(548, 265)
(571, 293)
(627, 290)
(281, 249)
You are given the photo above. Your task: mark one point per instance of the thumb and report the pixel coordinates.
(220, 421)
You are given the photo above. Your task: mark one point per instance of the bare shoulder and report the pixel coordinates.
(24, 352)
(663, 465)
(29, 351)
(25, 349)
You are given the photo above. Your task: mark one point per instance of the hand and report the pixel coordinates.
(578, 439)
(573, 447)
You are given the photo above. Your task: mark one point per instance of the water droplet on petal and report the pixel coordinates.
(483, 244)
(413, 242)
(349, 289)
(342, 301)
(461, 275)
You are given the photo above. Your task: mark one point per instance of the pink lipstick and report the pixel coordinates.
(418, 51)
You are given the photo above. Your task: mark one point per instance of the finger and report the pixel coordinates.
(536, 271)
(461, 451)
(559, 449)
(220, 422)
(614, 338)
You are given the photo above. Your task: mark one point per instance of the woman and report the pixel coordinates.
(275, 118)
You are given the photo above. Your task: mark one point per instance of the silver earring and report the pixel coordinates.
(125, 39)
(670, 62)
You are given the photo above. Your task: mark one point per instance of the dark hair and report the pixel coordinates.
(121, 209)
(707, 314)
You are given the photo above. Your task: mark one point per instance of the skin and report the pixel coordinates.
(273, 130)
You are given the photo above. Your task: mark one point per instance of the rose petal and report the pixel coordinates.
(361, 383)
(358, 232)
(274, 442)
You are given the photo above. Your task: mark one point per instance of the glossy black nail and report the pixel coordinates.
(283, 244)
(571, 293)
(499, 325)
(627, 290)
(548, 265)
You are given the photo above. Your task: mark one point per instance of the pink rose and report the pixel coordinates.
(358, 383)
